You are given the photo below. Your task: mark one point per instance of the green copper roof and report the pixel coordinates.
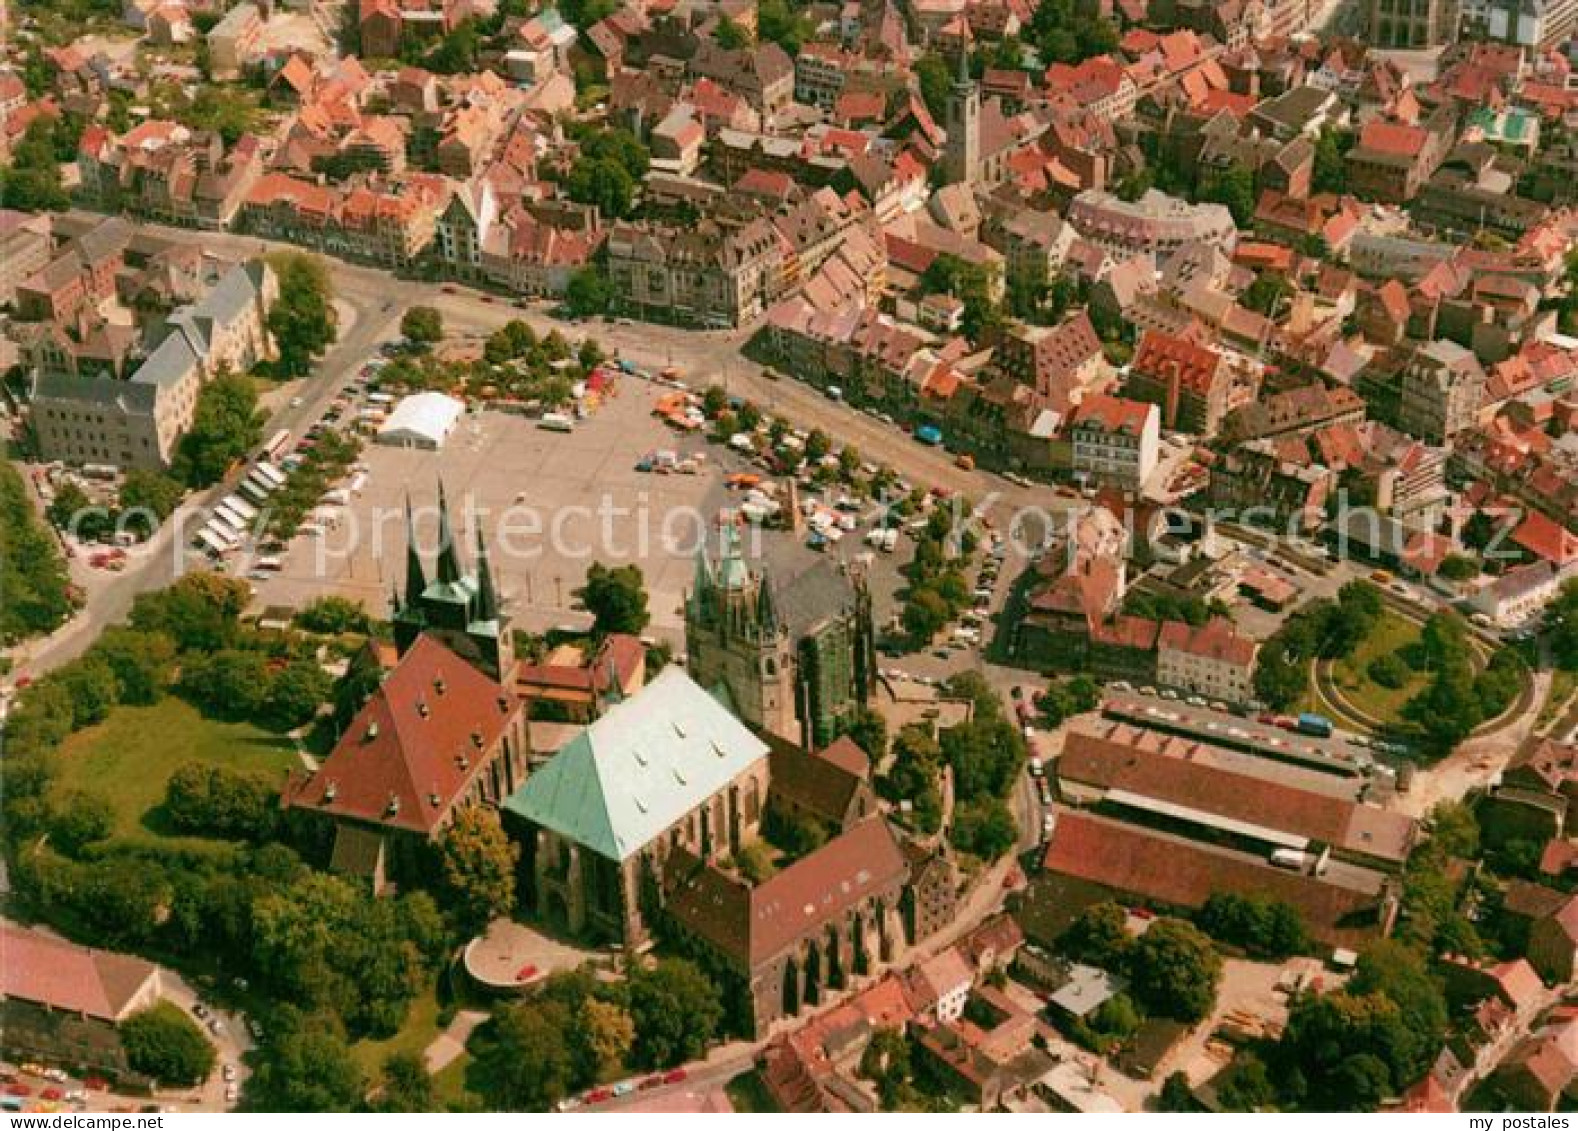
(639, 768)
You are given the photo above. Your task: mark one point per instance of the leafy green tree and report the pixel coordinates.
(226, 425)
(405, 1085)
(677, 1011)
(588, 293)
(422, 325)
(616, 597)
(1246, 1085)
(78, 819)
(149, 493)
(1176, 1095)
(783, 23)
(1099, 936)
(142, 663)
(231, 684)
(522, 1057)
(333, 615)
(935, 79)
(306, 1065)
(302, 317)
(164, 1043)
(295, 693)
(730, 35)
(607, 1033)
(477, 861)
(603, 182)
(1458, 567)
(31, 182)
(1561, 626)
(868, 730)
(1175, 970)
(32, 572)
(1331, 166)
(216, 800)
(91, 684)
(1234, 187)
(971, 284)
(915, 776)
(1263, 926)
(984, 828)
(200, 612)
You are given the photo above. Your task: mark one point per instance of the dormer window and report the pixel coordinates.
(372, 731)
(330, 791)
(421, 708)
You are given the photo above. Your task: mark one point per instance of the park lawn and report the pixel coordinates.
(1350, 673)
(128, 759)
(420, 1028)
(449, 1086)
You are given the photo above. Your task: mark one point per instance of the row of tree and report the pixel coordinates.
(33, 582)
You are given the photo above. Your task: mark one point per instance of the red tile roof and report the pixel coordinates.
(416, 746)
(1178, 873)
(69, 978)
(1161, 354)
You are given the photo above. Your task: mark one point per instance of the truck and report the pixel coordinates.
(1290, 858)
(929, 434)
(1317, 725)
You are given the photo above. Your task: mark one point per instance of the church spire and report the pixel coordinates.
(487, 599)
(448, 552)
(415, 578)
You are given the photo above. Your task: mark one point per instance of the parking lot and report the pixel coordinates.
(549, 504)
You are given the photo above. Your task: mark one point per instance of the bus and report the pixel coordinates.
(277, 444)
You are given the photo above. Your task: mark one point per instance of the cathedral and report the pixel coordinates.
(794, 660)
(459, 609)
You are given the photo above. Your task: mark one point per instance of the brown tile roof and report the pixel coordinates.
(1160, 354)
(752, 925)
(416, 746)
(1099, 762)
(1214, 640)
(1178, 873)
(69, 978)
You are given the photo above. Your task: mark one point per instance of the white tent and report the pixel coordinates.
(421, 421)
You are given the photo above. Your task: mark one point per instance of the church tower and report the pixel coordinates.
(962, 149)
(461, 610)
(735, 639)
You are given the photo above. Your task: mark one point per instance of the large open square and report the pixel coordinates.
(548, 504)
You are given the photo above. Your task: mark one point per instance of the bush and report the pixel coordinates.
(166, 1044)
(1390, 671)
(80, 819)
(332, 616)
(210, 800)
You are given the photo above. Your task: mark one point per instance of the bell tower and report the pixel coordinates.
(962, 150)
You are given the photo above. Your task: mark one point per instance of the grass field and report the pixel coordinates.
(1350, 673)
(129, 758)
(421, 1026)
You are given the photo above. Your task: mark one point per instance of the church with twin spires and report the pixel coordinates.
(461, 610)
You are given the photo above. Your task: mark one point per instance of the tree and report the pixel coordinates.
(332, 616)
(1267, 295)
(925, 614)
(1458, 567)
(32, 572)
(215, 800)
(971, 284)
(607, 1032)
(306, 1065)
(295, 693)
(1175, 970)
(522, 1056)
(730, 35)
(422, 325)
(867, 729)
(677, 1011)
(200, 612)
(230, 684)
(1246, 1085)
(1561, 626)
(1263, 926)
(1234, 187)
(477, 861)
(31, 183)
(226, 425)
(142, 662)
(781, 22)
(817, 446)
(984, 828)
(1176, 1095)
(616, 597)
(588, 293)
(90, 683)
(1331, 165)
(915, 776)
(1099, 936)
(302, 318)
(164, 1043)
(603, 182)
(149, 497)
(78, 819)
(405, 1085)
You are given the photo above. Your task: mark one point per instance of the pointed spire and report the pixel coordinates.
(415, 577)
(962, 76)
(448, 552)
(766, 608)
(487, 599)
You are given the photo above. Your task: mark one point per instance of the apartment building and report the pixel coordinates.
(1212, 660)
(1155, 223)
(1441, 391)
(704, 275)
(1188, 382)
(1115, 441)
(137, 422)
